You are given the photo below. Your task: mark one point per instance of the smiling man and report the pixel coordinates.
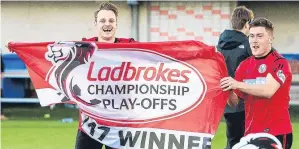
(264, 82)
(105, 20)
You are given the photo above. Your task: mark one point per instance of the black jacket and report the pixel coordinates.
(234, 46)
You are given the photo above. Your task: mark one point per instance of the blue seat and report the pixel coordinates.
(12, 62)
(13, 87)
(291, 56)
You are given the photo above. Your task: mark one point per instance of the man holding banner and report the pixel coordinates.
(106, 25)
(264, 82)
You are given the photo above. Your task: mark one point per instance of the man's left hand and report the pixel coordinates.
(228, 83)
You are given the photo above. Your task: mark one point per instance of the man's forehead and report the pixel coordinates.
(106, 14)
(257, 30)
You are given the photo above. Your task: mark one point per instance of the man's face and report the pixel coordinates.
(106, 24)
(260, 41)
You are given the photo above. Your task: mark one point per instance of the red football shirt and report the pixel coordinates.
(262, 114)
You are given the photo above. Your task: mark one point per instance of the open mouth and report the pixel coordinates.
(256, 46)
(107, 30)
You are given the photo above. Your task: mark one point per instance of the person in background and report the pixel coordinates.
(234, 46)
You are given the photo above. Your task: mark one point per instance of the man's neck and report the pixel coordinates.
(264, 55)
(112, 40)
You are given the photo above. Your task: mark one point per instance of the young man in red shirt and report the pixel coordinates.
(106, 25)
(264, 82)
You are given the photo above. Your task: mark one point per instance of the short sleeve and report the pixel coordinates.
(239, 77)
(281, 71)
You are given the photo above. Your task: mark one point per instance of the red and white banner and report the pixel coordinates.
(160, 95)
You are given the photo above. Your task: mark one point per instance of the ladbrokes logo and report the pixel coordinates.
(133, 85)
(127, 72)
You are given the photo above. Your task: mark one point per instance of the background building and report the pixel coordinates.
(147, 21)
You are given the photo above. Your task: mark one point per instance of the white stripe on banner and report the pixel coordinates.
(144, 138)
(49, 96)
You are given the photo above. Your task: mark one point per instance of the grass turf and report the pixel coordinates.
(27, 129)
(56, 135)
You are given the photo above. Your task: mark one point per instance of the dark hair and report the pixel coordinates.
(240, 16)
(263, 22)
(106, 6)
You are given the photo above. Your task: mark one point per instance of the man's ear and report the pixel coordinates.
(271, 38)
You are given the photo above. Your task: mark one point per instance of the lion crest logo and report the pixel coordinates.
(66, 56)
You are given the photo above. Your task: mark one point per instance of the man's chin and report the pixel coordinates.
(108, 35)
(255, 53)
(107, 38)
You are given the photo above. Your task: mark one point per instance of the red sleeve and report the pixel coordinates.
(239, 77)
(281, 71)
